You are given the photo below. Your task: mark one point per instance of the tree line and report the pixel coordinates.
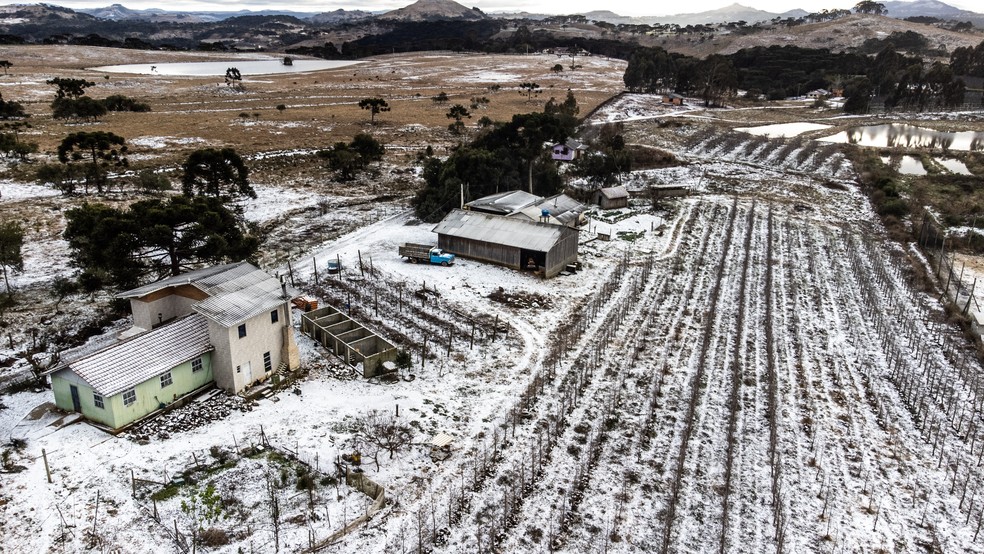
(897, 80)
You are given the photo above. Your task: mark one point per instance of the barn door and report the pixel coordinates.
(76, 402)
(531, 260)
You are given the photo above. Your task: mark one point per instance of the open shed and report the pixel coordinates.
(348, 340)
(512, 242)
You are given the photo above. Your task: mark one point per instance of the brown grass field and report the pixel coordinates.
(321, 107)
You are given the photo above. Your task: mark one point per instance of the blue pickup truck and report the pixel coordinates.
(426, 253)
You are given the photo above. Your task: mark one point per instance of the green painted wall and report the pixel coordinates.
(150, 395)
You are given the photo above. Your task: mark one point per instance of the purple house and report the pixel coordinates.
(567, 151)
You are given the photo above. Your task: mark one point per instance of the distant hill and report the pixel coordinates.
(434, 10)
(118, 12)
(928, 8)
(734, 12)
(339, 16)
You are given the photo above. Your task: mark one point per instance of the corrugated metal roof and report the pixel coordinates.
(202, 278)
(239, 299)
(441, 439)
(508, 231)
(126, 364)
(505, 202)
(612, 193)
(561, 204)
(236, 291)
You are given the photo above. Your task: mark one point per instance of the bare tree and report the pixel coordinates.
(381, 432)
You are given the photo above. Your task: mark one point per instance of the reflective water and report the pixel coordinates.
(908, 136)
(245, 67)
(910, 165)
(954, 166)
(782, 129)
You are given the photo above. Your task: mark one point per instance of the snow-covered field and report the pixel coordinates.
(744, 370)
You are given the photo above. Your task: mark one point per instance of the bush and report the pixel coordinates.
(213, 536)
(306, 482)
(120, 103)
(895, 207)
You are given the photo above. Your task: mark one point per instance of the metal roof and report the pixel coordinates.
(496, 229)
(234, 301)
(612, 193)
(441, 440)
(201, 278)
(126, 364)
(504, 202)
(561, 204)
(236, 292)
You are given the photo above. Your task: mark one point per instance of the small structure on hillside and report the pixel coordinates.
(228, 324)
(673, 98)
(441, 447)
(818, 93)
(611, 198)
(348, 340)
(568, 150)
(510, 241)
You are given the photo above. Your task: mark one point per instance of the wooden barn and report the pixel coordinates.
(611, 198)
(513, 242)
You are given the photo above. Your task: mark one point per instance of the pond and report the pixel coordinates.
(954, 166)
(205, 69)
(783, 129)
(908, 165)
(894, 135)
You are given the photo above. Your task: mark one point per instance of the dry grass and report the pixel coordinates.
(322, 107)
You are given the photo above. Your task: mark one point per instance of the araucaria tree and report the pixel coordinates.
(97, 151)
(530, 89)
(234, 78)
(457, 112)
(155, 238)
(374, 105)
(219, 173)
(503, 157)
(70, 100)
(11, 243)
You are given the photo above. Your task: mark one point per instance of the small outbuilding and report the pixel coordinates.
(673, 98)
(567, 151)
(611, 198)
(513, 242)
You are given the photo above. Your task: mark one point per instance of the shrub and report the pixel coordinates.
(894, 207)
(213, 536)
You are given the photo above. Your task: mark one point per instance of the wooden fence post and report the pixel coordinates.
(47, 469)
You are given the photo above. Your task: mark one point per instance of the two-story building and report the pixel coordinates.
(229, 325)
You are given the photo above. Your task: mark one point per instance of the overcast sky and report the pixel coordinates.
(621, 7)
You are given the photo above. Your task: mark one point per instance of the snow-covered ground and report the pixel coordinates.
(745, 370)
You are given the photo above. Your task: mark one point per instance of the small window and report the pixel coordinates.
(242, 330)
(196, 365)
(267, 362)
(97, 399)
(129, 397)
(166, 380)
(274, 316)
